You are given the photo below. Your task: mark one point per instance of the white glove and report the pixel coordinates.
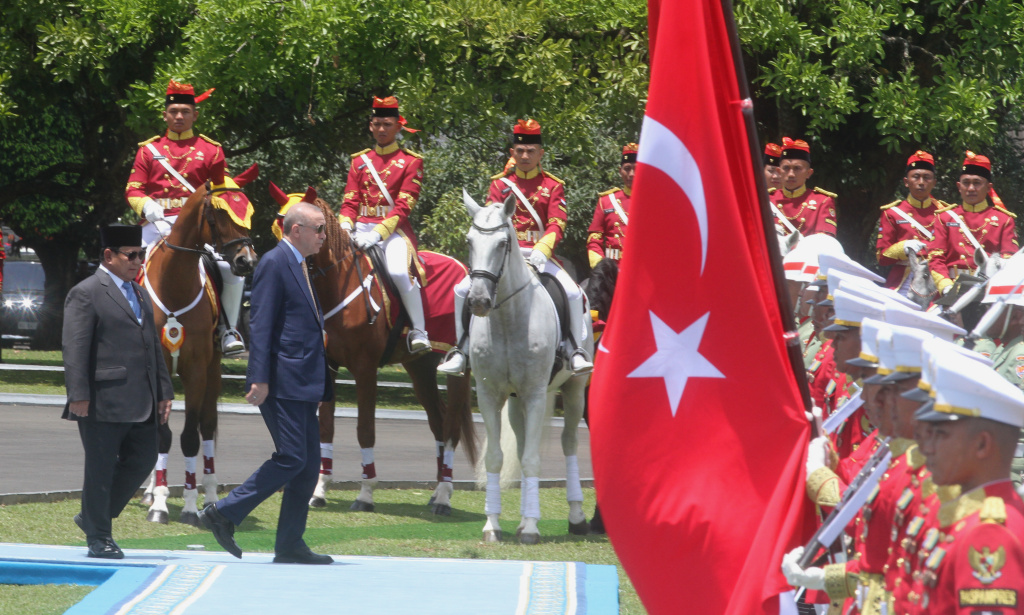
(947, 289)
(817, 454)
(347, 226)
(365, 241)
(811, 578)
(162, 226)
(152, 211)
(538, 260)
(913, 246)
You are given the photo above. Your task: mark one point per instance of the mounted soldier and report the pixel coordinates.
(807, 210)
(383, 185)
(168, 168)
(539, 219)
(607, 231)
(772, 173)
(905, 227)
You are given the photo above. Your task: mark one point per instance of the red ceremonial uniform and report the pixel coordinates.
(809, 211)
(401, 171)
(907, 521)
(976, 563)
(894, 230)
(546, 193)
(607, 231)
(918, 540)
(192, 156)
(952, 252)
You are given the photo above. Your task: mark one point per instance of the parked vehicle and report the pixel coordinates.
(22, 300)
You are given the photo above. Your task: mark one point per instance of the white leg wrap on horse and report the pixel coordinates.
(531, 496)
(190, 464)
(161, 461)
(210, 488)
(573, 490)
(492, 505)
(367, 454)
(191, 497)
(231, 293)
(449, 457)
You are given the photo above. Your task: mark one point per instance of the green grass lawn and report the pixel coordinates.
(402, 525)
(40, 599)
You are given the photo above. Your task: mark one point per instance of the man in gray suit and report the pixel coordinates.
(117, 382)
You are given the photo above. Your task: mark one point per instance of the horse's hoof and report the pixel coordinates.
(492, 536)
(190, 518)
(442, 509)
(579, 529)
(361, 506)
(147, 499)
(157, 516)
(528, 538)
(315, 502)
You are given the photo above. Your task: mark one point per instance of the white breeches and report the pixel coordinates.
(396, 254)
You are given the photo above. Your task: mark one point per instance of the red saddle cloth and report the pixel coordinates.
(442, 274)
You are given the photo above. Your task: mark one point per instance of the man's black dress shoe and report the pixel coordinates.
(222, 528)
(302, 556)
(105, 548)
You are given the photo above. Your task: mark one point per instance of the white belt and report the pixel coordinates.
(375, 212)
(170, 203)
(613, 253)
(531, 236)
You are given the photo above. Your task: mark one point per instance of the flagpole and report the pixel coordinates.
(767, 219)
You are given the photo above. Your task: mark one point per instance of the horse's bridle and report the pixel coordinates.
(371, 315)
(207, 217)
(496, 277)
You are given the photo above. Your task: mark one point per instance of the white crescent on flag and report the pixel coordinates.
(662, 149)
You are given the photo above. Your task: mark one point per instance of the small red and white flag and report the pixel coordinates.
(698, 429)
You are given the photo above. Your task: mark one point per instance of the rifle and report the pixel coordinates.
(837, 418)
(853, 500)
(990, 317)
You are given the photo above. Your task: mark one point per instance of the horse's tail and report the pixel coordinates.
(511, 471)
(459, 416)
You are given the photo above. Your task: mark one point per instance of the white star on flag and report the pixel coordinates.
(677, 358)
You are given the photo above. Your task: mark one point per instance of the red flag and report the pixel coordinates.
(698, 432)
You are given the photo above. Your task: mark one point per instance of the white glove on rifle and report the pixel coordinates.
(347, 226)
(365, 241)
(913, 246)
(947, 289)
(538, 260)
(811, 578)
(817, 454)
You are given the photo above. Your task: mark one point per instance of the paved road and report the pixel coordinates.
(39, 452)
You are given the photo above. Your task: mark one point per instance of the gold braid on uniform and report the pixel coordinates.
(839, 584)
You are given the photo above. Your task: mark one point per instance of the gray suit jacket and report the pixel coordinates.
(109, 358)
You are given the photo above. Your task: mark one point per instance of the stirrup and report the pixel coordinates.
(579, 363)
(454, 363)
(231, 343)
(417, 341)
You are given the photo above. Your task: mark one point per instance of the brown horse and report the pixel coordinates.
(357, 339)
(186, 303)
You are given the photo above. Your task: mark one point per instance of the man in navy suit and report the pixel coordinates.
(287, 379)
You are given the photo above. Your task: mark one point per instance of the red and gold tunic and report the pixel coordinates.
(976, 564)
(607, 232)
(894, 231)
(546, 193)
(919, 538)
(401, 171)
(951, 252)
(810, 211)
(911, 508)
(192, 156)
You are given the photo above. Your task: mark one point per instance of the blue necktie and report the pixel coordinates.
(129, 294)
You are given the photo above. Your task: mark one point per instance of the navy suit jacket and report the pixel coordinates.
(286, 324)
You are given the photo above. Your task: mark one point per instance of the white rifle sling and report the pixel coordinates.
(618, 209)
(526, 203)
(163, 161)
(914, 223)
(963, 229)
(376, 178)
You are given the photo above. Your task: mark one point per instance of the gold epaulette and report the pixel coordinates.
(890, 205)
(208, 139)
(607, 192)
(993, 509)
(546, 174)
(361, 152)
(412, 153)
(502, 174)
(826, 192)
(944, 207)
(939, 203)
(1005, 211)
(148, 141)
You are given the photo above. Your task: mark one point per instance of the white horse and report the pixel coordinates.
(514, 340)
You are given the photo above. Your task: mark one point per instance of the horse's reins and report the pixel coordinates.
(487, 275)
(207, 216)
(371, 314)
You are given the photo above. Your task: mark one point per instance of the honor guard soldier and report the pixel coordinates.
(977, 223)
(808, 210)
(167, 170)
(905, 227)
(539, 220)
(772, 172)
(977, 562)
(383, 185)
(611, 216)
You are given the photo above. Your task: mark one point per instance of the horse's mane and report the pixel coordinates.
(337, 239)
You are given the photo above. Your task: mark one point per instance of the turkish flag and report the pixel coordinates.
(698, 428)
